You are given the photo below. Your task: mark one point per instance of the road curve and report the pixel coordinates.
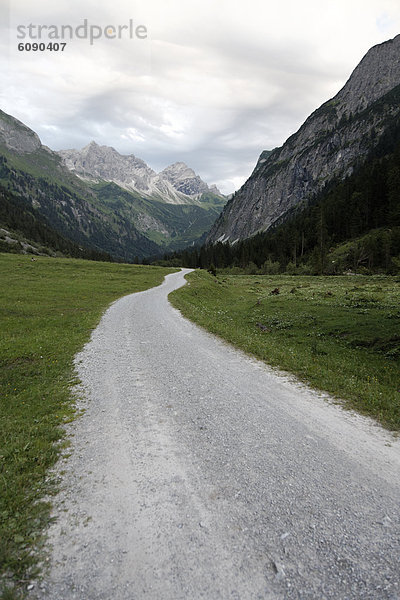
(198, 472)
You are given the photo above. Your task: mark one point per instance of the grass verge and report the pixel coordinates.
(48, 309)
(339, 334)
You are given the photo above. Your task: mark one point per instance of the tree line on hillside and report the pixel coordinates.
(353, 224)
(18, 216)
(74, 217)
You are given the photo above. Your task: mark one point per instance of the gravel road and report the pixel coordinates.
(198, 472)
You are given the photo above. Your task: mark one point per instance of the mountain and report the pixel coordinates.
(185, 180)
(176, 184)
(352, 225)
(173, 208)
(102, 163)
(36, 175)
(104, 201)
(330, 146)
(29, 232)
(16, 136)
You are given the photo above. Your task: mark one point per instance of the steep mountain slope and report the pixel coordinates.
(23, 230)
(333, 142)
(69, 208)
(93, 211)
(96, 163)
(16, 136)
(350, 225)
(166, 224)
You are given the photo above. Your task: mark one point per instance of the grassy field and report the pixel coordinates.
(48, 309)
(340, 334)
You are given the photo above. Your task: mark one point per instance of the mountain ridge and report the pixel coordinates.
(331, 143)
(96, 212)
(176, 184)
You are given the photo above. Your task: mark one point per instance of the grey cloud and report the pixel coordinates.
(209, 87)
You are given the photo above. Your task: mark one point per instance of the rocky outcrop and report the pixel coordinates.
(16, 136)
(96, 162)
(331, 143)
(184, 179)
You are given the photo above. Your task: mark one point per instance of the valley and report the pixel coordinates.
(104, 201)
(272, 443)
(198, 472)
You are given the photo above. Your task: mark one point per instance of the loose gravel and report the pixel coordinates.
(198, 472)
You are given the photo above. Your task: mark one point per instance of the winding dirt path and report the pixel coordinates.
(198, 472)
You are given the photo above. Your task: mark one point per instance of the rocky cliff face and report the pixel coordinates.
(177, 184)
(96, 162)
(331, 143)
(16, 136)
(184, 179)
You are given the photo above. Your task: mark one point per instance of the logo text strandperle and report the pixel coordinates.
(83, 32)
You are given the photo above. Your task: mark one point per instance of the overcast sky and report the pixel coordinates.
(214, 83)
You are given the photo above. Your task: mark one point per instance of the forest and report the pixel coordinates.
(18, 215)
(353, 225)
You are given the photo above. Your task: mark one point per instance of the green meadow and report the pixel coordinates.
(48, 310)
(338, 334)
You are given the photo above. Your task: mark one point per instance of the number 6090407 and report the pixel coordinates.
(42, 46)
